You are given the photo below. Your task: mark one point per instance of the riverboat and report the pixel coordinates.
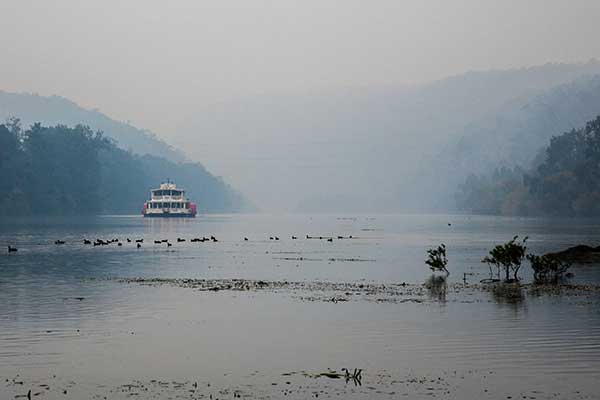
(168, 202)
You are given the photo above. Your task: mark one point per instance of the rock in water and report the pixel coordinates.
(580, 254)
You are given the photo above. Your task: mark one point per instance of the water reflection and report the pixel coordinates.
(176, 331)
(437, 288)
(508, 294)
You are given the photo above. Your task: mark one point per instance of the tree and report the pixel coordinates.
(437, 260)
(565, 181)
(508, 257)
(547, 268)
(61, 170)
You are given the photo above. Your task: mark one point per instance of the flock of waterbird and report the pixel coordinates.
(139, 242)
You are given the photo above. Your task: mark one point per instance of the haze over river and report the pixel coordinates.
(71, 319)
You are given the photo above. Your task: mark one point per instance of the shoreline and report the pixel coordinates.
(380, 384)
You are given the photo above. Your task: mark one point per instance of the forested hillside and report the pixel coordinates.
(388, 148)
(54, 110)
(59, 170)
(509, 139)
(565, 183)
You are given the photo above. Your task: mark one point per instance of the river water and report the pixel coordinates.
(67, 322)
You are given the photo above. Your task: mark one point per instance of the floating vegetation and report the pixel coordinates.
(297, 259)
(434, 290)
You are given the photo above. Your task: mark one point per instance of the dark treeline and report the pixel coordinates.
(60, 170)
(565, 182)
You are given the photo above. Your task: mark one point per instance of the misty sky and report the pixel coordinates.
(154, 62)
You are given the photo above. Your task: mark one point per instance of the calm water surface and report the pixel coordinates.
(119, 332)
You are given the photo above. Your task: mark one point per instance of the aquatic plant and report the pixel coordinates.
(508, 257)
(437, 260)
(547, 268)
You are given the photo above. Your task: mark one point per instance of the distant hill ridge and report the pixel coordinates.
(144, 159)
(389, 148)
(53, 110)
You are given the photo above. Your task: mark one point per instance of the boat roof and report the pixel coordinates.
(167, 186)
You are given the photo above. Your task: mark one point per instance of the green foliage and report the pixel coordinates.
(566, 182)
(508, 257)
(547, 268)
(60, 170)
(437, 260)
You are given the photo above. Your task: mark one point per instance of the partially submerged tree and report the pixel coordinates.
(437, 260)
(547, 268)
(507, 257)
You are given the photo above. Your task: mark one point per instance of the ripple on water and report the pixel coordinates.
(55, 310)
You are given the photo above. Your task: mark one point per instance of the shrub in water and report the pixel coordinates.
(547, 268)
(508, 257)
(436, 259)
